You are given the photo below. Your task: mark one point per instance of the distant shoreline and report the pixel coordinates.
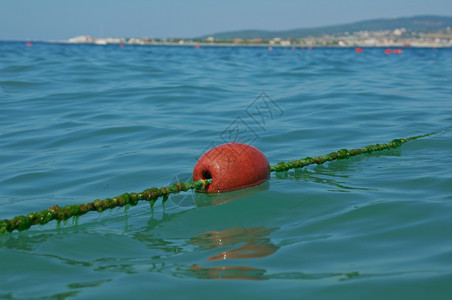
(234, 45)
(423, 31)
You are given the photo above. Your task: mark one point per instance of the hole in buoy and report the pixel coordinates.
(206, 175)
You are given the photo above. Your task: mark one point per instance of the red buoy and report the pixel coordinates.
(388, 51)
(359, 50)
(232, 166)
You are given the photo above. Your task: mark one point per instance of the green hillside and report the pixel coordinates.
(418, 23)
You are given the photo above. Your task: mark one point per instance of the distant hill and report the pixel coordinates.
(417, 23)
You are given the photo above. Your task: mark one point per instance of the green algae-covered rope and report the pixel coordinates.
(63, 213)
(341, 154)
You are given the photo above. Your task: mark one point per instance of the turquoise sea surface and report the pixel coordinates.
(82, 122)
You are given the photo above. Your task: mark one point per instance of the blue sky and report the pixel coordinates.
(63, 19)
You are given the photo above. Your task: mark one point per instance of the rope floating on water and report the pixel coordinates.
(341, 154)
(63, 213)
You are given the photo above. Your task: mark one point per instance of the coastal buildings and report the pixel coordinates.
(399, 37)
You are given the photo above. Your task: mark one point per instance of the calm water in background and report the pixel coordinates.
(80, 122)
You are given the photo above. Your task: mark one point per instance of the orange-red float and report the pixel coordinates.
(232, 166)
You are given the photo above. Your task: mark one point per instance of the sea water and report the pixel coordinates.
(82, 122)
